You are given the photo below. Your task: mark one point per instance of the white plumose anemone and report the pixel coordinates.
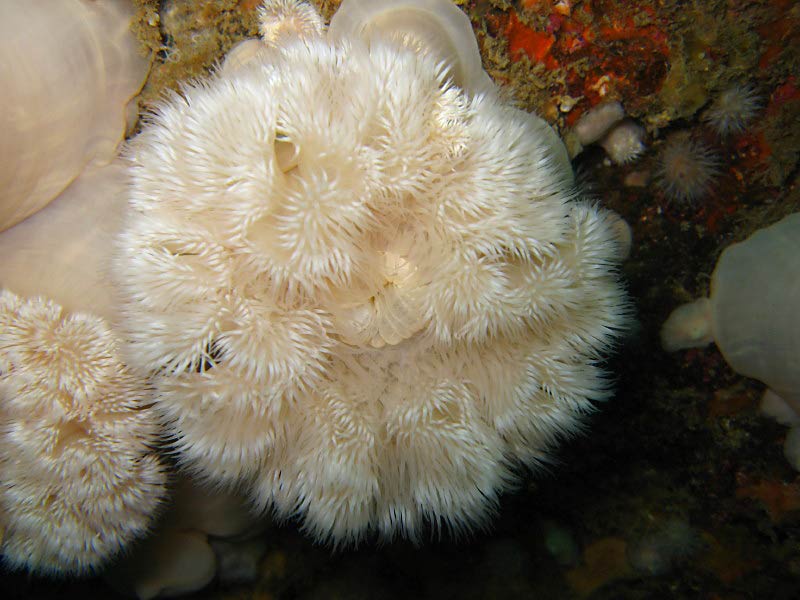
(79, 480)
(363, 293)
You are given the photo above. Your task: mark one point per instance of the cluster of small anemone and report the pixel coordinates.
(622, 138)
(689, 163)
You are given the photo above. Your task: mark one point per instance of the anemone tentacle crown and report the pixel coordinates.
(79, 479)
(367, 291)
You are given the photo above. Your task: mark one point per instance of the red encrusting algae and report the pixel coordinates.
(525, 41)
(612, 56)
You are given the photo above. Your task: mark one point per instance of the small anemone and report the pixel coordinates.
(279, 20)
(625, 142)
(733, 109)
(668, 545)
(686, 168)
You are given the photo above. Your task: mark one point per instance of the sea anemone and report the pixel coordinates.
(666, 546)
(625, 142)
(63, 251)
(686, 168)
(433, 27)
(364, 294)
(606, 124)
(283, 19)
(79, 480)
(733, 109)
(78, 477)
(752, 316)
(69, 68)
(203, 534)
(755, 326)
(597, 122)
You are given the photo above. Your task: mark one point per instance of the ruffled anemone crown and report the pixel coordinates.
(78, 477)
(364, 294)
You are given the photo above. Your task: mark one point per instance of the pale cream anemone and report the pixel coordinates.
(365, 287)
(68, 71)
(79, 478)
(751, 314)
(204, 534)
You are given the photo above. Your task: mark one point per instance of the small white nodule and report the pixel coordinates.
(688, 326)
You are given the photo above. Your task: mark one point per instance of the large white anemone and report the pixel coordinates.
(364, 293)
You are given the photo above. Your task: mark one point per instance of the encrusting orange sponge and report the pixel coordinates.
(365, 293)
